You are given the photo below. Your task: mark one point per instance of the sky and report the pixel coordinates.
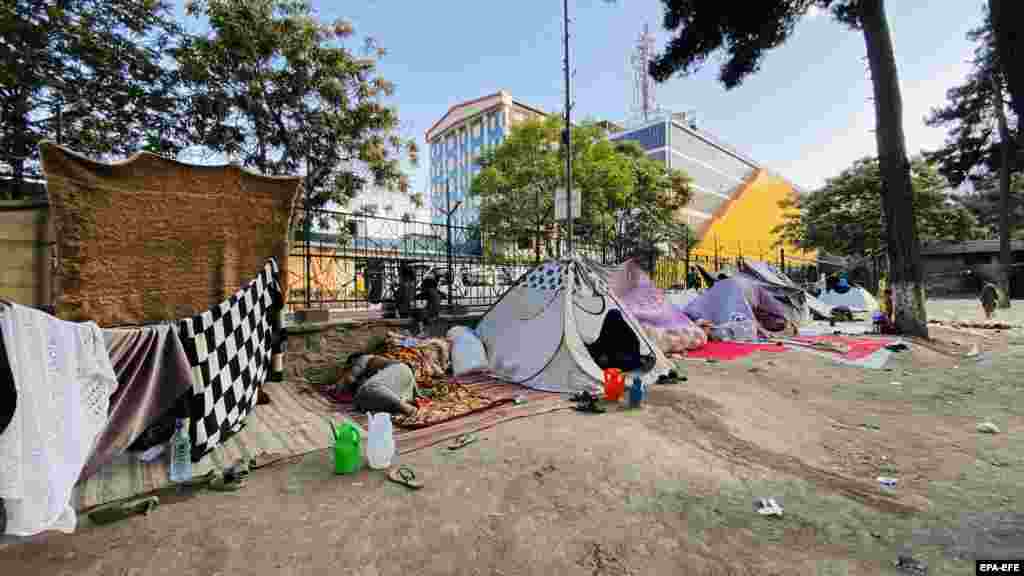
(806, 115)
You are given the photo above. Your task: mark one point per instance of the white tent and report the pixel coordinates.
(857, 299)
(536, 334)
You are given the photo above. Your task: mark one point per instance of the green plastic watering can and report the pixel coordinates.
(348, 452)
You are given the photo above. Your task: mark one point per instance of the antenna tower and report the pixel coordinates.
(644, 101)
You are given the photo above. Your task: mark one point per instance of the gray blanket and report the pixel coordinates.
(152, 374)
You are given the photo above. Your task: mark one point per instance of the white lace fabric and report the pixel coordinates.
(64, 379)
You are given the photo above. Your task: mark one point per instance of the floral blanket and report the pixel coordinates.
(452, 398)
(428, 357)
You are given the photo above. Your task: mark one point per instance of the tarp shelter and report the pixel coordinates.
(537, 333)
(670, 328)
(856, 298)
(779, 285)
(735, 299)
(756, 291)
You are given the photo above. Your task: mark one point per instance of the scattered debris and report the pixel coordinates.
(602, 562)
(122, 509)
(887, 481)
(462, 441)
(912, 566)
(988, 428)
(768, 507)
(547, 469)
(978, 325)
(152, 453)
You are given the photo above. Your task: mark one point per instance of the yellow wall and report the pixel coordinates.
(745, 223)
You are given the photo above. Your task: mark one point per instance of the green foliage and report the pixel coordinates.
(983, 203)
(658, 194)
(1006, 18)
(94, 68)
(744, 30)
(619, 185)
(845, 217)
(971, 150)
(278, 90)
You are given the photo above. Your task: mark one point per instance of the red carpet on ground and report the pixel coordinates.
(719, 350)
(858, 348)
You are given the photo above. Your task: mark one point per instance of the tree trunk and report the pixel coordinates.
(1005, 151)
(906, 274)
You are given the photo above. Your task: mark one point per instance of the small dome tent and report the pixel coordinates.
(537, 334)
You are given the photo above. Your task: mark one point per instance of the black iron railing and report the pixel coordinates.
(354, 261)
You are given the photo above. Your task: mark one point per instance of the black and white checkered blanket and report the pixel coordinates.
(229, 349)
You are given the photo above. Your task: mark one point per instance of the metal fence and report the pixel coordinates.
(352, 261)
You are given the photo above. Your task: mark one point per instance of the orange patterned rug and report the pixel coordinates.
(472, 403)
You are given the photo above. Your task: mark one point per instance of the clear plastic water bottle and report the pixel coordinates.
(181, 453)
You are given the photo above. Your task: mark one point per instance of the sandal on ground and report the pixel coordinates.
(115, 511)
(406, 477)
(232, 478)
(591, 408)
(203, 480)
(462, 441)
(223, 483)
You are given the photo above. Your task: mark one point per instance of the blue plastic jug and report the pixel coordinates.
(636, 392)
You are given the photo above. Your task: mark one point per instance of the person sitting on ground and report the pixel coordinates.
(885, 319)
(379, 384)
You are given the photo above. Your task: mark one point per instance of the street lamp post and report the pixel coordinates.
(449, 211)
(567, 134)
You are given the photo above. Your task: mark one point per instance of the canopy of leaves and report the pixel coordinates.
(90, 67)
(971, 150)
(983, 203)
(622, 190)
(279, 91)
(744, 30)
(845, 217)
(1007, 16)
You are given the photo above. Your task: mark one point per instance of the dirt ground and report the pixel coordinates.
(666, 489)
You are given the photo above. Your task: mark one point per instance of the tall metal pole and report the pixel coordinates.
(308, 232)
(450, 273)
(567, 138)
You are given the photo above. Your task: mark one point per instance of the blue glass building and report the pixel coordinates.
(456, 141)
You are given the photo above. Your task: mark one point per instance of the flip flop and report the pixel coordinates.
(406, 477)
(115, 511)
(462, 441)
(203, 480)
(223, 483)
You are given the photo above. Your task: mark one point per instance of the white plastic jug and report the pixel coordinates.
(380, 442)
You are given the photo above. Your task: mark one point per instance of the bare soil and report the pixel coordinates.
(666, 489)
